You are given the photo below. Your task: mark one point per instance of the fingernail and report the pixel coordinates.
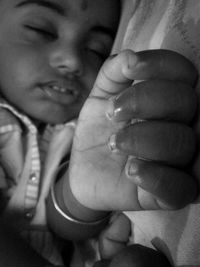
(110, 110)
(112, 143)
(113, 112)
(132, 168)
(132, 171)
(113, 55)
(132, 60)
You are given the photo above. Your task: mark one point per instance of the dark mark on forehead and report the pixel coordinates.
(84, 5)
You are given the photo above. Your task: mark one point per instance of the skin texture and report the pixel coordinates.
(42, 47)
(151, 153)
(84, 5)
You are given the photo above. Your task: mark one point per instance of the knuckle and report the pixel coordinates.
(191, 102)
(184, 144)
(186, 101)
(135, 101)
(176, 189)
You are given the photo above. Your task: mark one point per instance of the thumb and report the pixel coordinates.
(118, 72)
(112, 78)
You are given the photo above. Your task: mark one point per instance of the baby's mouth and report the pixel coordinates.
(61, 89)
(61, 92)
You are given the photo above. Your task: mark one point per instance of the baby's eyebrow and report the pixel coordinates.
(56, 7)
(44, 3)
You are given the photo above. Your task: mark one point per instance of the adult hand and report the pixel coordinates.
(133, 142)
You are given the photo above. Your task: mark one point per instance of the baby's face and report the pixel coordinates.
(51, 52)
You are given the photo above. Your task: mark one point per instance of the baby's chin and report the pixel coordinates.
(54, 119)
(52, 113)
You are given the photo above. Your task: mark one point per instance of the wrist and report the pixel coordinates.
(62, 220)
(69, 203)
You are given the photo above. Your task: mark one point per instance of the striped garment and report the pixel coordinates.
(29, 162)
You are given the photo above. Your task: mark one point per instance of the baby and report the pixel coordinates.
(50, 54)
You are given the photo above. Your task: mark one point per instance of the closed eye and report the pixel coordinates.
(41, 31)
(100, 54)
(99, 46)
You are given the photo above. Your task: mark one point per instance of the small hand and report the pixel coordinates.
(160, 145)
(136, 256)
(115, 236)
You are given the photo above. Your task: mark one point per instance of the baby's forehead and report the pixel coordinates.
(67, 5)
(81, 4)
(106, 11)
(81, 12)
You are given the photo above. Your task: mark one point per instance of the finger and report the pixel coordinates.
(155, 99)
(111, 80)
(164, 64)
(163, 187)
(118, 72)
(170, 143)
(139, 256)
(115, 237)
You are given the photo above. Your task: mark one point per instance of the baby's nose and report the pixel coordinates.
(66, 59)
